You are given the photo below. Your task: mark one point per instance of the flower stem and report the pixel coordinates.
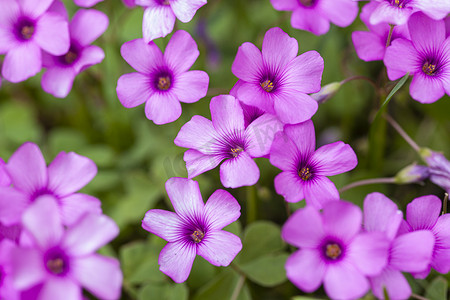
(239, 284)
(445, 204)
(388, 41)
(366, 182)
(415, 296)
(404, 135)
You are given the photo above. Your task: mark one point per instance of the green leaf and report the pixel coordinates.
(437, 290)
(223, 287)
(260, 238)
(267, 270)
(18, 123)
(167, 291)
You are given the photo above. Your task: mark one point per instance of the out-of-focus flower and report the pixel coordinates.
(276, 80)
(412, 173)
(31, 179)
(226, 137)
(86, 3)
(305, 170)
(7, 290)
(409, 252)
(160, 15)
(425, 57)
(56, 263)
(85, 27)
(26, 27)
(194, 228)
(333, 250)
(315, 15)
(326, 92)
(162, 81)
(129, 3)
(397, 12)
(371, 45)
(4, 177)
(439, 168)
(423, 214)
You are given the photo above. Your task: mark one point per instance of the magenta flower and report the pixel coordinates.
(85, 27)
(333, 250)
(226, 137)
(371, 45)
(4, 177)
(315, 15)
(55, 263)
(159, 15)
(426, 57)
(31, 180)
(7, 290)
(423, 213)
(397, 12)
(439, 168)
(194, 228)
(305, 170)
(276, 80)
(26, 27)
(86, 3)
(409, 252)
(162, 81)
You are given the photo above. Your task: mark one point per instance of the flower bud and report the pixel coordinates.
(439, 167)
(326, 92)
(412, 173)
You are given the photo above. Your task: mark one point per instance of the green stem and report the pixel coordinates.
(367, 182)
(391, 29)
(400, 131)
(238, 288)
(415, 296)
(445, 204)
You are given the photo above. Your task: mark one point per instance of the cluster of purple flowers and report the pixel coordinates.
(49, 232)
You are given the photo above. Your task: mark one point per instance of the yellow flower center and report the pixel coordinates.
(163, 83)
(304, 173)
(267, 85)
(333, 251)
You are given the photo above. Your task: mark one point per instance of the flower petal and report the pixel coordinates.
(344, 281)
(28, 269)
(185, 197)
(89, 234)
(87, 26)
(239, 171)
(294, 108)
(91, 55)
(162, 108)
(312, 21)
(342, 219)
(176, 260)
(58, 81)
(303, 136)
(56, 288)
(305, 269)
(100, 275)
(368, 45)
(247, 63)
(141, 56)
(283, 152)
(69, 172)
(252, 94)
(191, 86)
(52, 33)
(261, 133)
(340, 12)
(186, 9)
(400, 58)
(221, 209)
(86, 3)
(396, 285)
(219, 247)
(181, 52)
(284, 4)
(423, 212)
(133, 89)
(165, 224)
(226, 114)
(198, 163)
(290, 186)
(158, 22)
(198, 134)
(304, 229)
(75, 206)
(34, 8)
(426, 33)
(426, 89)
(369, 252)
(333, 159)
(12, 204)
(22, 62)
(304, 72)
(387, 13)
(278, 49)
(320, 191)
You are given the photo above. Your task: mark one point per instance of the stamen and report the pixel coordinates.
(235, 151)
(27, 32)
(267, 85)
(307, 3)
(428, 68)
(164, 83)
(398, 4)
(197, 236)
(70, 57)
(56, 265)
(304, 173)
(333, 251)
(166, 2)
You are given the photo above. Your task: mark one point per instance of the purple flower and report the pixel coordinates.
(315, 15)
(26, 27)
(85, 27)
(31, 180)
(159, 15)
(86, 3)
(439, 168)
(194, 228)
(129, 3)
(371, 45)
(226, 137)
(426, 57)
(7, 290)
(162, 81)
(56, 263)
(423, 214)
(276, 80)
(397, 12)
(409, 252)
(333, 250)
(305, 170)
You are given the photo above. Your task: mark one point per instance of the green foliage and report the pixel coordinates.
(438, 289)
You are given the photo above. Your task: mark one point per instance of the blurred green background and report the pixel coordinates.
(135, 157)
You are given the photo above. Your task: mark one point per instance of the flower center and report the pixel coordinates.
(235, 151)
(399, 3)
(163, 83)
(429, 68)
(197, 236)
(27, 32)
(307, 3)
(55, 265)
(267, 85)
(304, 173)
(333, 251)
(70, 57)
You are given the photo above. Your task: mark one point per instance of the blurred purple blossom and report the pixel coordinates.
(162, 81)
(85, 27)
(194, 228)
(425, 57)
(86, 3)
(26, 27)
(7, 290)
(333, 250)
(54, 263)
(439, 168)
(226, 137)
(410, 252)
(305, 169)
(276, 80)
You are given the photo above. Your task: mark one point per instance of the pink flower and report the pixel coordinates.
(7, 290)
(162, 81)
(86, 3)
(55, 263)
(194, 228)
